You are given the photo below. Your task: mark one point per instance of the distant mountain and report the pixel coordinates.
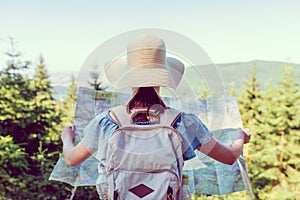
(60, 82)
(268, 72)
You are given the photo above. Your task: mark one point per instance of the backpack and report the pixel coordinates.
(144, 161)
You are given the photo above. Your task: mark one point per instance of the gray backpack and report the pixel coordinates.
(144, 161)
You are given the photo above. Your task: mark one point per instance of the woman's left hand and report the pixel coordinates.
(247, 134)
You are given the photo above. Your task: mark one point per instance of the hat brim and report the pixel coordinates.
(121, 76)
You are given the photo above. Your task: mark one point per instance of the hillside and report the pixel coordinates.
(268, 72)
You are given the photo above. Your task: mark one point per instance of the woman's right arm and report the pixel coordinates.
(74, 154)
(226, 154)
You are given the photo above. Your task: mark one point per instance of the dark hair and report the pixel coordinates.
(144, 98)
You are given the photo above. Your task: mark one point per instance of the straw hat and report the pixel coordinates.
(145, 65)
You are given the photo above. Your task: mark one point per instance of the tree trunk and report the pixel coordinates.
(282, 151)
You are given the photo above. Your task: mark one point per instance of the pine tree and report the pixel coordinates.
(46, 117)
(275, 151)
(69, 103)
(205, 93)
(249, 100)
(15, 114)
(231, 90)
(46, 145)
(280, 128)
(96, 83)
(16, 96)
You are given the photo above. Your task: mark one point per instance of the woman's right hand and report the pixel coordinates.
(74, 154)
(68, 133)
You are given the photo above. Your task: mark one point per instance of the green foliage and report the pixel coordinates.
(28, 128)
(86, 192)
(13, 166)
(15, 103)
(68, 105)
(205, 93)
(232, 89)
(274, 118)
(233, 196)
(250, 100)
(45, 112)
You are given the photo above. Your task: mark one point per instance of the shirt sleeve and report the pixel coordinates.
(194, 133)
(96, 134)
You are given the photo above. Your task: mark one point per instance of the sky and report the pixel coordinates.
(66, 32)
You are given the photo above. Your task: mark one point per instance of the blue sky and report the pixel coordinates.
(66, 32)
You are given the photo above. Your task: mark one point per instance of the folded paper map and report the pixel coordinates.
(202, 174)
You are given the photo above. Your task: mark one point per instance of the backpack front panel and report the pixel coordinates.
(146, 160)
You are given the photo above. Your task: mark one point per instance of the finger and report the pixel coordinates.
(69, 128)
(247, 131)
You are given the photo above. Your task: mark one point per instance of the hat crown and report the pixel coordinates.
(146, 51)
(145, 65)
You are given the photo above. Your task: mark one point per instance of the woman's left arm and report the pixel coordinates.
(74, 154)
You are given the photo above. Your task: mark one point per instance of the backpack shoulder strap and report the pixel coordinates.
(119, 113)
(170, 116)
